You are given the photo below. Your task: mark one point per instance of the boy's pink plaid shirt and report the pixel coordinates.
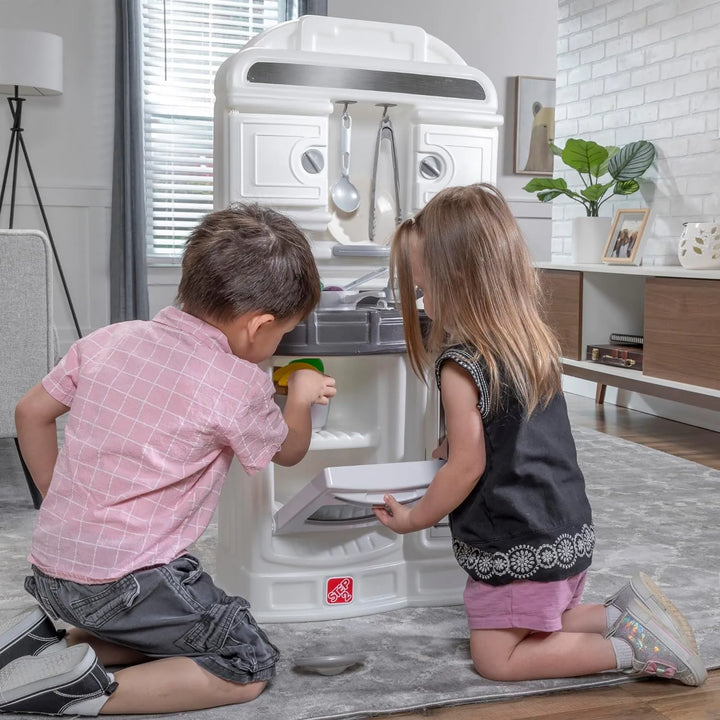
(158, 409)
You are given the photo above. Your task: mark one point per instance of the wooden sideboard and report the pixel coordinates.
(676, 310)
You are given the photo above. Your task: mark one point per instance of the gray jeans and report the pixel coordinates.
(165, 611)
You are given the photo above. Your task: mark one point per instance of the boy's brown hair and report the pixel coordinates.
(248, 258)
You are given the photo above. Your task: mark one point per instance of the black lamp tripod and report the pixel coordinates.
(17, 143)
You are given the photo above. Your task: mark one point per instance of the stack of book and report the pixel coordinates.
(626, 339)
(624, 350)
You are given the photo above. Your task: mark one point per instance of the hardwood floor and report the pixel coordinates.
(648, 700)
(687, 441)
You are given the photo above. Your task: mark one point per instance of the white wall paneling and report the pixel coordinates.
(162, 285)
(533, 218)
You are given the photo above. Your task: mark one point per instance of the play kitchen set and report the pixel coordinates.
(348, 127)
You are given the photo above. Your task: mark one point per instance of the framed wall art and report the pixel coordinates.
(626, 234)
(534, 125)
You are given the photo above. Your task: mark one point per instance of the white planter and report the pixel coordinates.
(589, 237)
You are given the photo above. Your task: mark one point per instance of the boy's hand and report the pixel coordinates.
(305, 388)
(311, 387)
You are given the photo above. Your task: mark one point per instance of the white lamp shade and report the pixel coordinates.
(32, 61)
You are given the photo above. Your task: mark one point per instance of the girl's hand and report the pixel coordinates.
(394, 515)
(311, 387)
(454, 481)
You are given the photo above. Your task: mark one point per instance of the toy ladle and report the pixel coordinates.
(344, 194)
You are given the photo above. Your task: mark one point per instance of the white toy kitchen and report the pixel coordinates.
(348, 127)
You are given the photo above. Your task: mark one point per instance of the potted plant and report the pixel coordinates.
(593, 162)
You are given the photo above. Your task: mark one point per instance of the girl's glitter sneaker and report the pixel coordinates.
(657, 651)
(642, 588)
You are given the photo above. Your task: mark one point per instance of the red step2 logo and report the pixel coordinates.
(339, 590)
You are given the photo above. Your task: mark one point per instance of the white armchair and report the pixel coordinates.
(27, 336)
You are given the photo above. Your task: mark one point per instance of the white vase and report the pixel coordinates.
(699, 247)
(589, 237)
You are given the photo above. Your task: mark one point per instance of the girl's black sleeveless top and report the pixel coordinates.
(528, 517)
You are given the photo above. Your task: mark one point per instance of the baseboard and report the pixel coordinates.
(679, 412)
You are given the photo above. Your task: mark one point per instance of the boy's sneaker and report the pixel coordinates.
(657, 651)
(642, 588)
(68, 682)
(28, 633)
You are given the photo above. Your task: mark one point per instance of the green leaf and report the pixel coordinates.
(537, 184)
(626, 187)
(632, 160)
(584, 156)
(595, 192)
(555, 150)
(548, 195)
(612, 151)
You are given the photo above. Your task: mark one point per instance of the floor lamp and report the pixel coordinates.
(30, 64)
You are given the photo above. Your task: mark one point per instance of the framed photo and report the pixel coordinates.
(625, 237)
(534, 125)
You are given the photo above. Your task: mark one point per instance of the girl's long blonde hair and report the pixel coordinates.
(485, 292)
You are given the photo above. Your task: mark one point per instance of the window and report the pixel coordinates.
(184, 43)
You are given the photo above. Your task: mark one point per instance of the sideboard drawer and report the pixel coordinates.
(682, 330)
(563, 308)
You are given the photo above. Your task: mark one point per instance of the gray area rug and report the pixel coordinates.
(652, 511)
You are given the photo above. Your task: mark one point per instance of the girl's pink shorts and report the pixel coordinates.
(526, 604)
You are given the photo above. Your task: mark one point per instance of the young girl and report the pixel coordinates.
(520, 519)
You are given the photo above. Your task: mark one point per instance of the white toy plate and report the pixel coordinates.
(328, 664)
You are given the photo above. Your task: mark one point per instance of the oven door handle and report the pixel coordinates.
(365, 499)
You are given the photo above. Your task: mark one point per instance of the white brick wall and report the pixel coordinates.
(643, 70)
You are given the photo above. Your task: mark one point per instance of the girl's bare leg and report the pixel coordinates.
(516, 654)
(585, 618)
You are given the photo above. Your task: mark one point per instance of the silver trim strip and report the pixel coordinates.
(284, 73)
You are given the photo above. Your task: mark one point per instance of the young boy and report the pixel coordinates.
(157, 410)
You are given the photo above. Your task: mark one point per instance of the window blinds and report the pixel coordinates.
(184, 43)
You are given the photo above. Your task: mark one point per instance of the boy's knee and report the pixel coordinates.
(250, 691)
(227, 692)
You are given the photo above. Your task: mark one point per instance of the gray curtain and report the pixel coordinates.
(312, 7)
(128, 253)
